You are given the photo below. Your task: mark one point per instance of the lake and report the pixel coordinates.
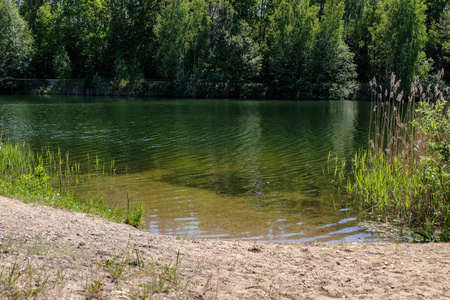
(209, 168)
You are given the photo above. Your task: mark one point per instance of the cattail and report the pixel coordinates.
(400, 96)
(392, 79)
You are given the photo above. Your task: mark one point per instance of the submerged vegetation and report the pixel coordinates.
(51, 178)
(405, 173)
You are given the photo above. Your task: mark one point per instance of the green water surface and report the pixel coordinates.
(209, 168)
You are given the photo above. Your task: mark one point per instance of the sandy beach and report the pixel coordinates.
(68, 255)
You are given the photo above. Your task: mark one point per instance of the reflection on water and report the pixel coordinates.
(209, 168)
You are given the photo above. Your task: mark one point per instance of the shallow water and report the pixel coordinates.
(209, 168)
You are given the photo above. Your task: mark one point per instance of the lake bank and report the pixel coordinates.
(150, 89)
(83, 256)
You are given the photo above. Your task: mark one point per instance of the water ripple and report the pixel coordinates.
(215, 168)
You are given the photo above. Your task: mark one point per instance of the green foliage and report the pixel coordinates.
(444, 32)
(122, 74)
(399, 35)
(295, 25)
(434, 166)
(298, 49)
(405, 174)
(331, 59)
(205, 49)
(61, 64)
(86, 26)
(172, 33)
(438, 46)
(48, 35)
(15, 43)
(131, 38)
(233, 59)
(29, 9)
(438, 33)
(310, 58)
(331, 23)
(359, 17)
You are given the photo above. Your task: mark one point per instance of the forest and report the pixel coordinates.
(297, 49)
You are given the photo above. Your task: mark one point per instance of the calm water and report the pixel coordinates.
(209, 168)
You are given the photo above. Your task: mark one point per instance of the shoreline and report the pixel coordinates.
(153, 89)
(71, 255)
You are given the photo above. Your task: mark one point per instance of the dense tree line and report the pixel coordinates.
(300, 49)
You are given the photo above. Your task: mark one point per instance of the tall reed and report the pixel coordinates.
(402, 175)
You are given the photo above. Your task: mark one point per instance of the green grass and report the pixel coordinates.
(158, 278)
(165, 278)
(27, 280)
(134, 214)
(51, 178)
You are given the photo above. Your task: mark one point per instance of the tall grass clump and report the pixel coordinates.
(51, 178)
(405, 173)
(134, 213)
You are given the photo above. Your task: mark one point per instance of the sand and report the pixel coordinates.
(69, 255)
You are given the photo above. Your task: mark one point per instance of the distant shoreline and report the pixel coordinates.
(146, 89)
